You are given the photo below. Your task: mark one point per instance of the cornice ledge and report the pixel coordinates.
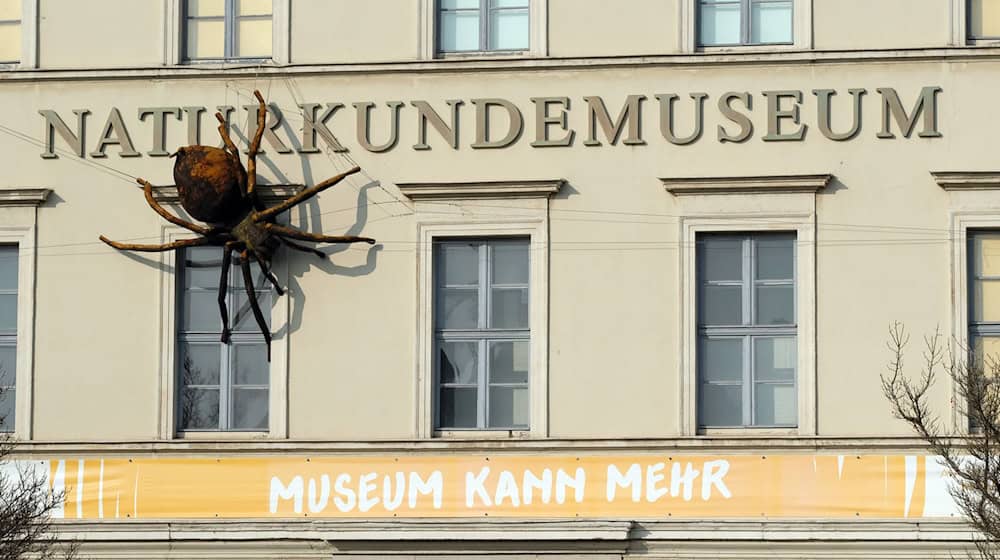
(967, 180)
(23, 196)
(167, 194)
(765, 184)
(482, 189)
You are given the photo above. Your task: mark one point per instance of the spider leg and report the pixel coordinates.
(302, 248)
(147, 189)
(254, 306)
(255, 146)
(226, 139)
(196, 242)
(227, 258)
(304, 195)
(304, 236)
(267, 273)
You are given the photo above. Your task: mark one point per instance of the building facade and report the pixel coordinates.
(635, 268)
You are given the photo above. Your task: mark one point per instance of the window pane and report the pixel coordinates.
(8, 365)
(250, 364)
(987, 255)
(771, 22)
(509, 361)
(206, 38)
(509, 30)
(984, 18)
(459, 4)
(458, 362)
(7, 416)
(460, 31)
(8, 312)
(510, 262)
(721, 305)
(250, 409)
(509, 3)
(457, 308)
(10, 9)
(10, 42)
(205, 8)
(775, 305)
(457, 264)
(720, 259)
(720, 405)
(721, 359)
(253, 7)
(775, 405)
(720, 24)
(508, 407)
(236, 275)
(199, 409)
(200, 312)
(774, 358)
(200, 363)
(8, 267)
(775, 258)
(202, 270)
(987, 352)
(458, 408)
(253, 38)
(510, 308)
(241, 316)
(986, 301)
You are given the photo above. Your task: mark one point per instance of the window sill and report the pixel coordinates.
(482, 434)
(974, 42)
(746, 432)
(492, 55)
(220, 435)
(747, 49)
(213, 62)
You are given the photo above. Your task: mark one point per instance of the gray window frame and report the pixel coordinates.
(8, 339)
(745, 22)
(20, 24)
(968, 26)
(748, 332)
(483, 335)
(978, 328)
(231, 21)
(484, 10)
(227, 358)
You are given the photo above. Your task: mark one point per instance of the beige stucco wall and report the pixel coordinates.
(596, 28)
(344, 31)
(886, 24)
(882, 252)
(82, 35)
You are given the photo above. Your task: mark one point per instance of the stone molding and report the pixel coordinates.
(481, 189)
(967, 180)
(23, 196)
(779, 184)
(167, 194)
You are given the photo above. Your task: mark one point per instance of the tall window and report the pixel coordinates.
(482, 334)
(10, 31)
(746, 330)
(228, 29)
(483, 25)
(744, 22)
(220, 386)
(8, 334)
(984, 297)
(984, 19)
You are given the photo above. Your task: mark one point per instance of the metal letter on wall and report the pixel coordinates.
(311, 126)
(426, 113)
(364, 110)
(516, 123)
(543, 120)
(824, 96)
(746, 125)
(667, 118)
(159, 127)
(775, 114)
(270, 125)
(631, 114)
(114, 132)
(55, 125)
(892, 109)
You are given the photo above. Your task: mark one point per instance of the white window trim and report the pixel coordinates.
(538, 15)
(19, 219)
(173, 34)
(29, 38)
(478, 209)
(710, 205)
(802, 30)
(278, 390)
(974, 204)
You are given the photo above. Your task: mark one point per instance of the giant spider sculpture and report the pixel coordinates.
(214, 187)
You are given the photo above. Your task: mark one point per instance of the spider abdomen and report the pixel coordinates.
(211, 184)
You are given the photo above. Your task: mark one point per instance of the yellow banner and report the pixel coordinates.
(502, 485)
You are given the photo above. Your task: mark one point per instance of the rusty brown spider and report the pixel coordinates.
(214, 188)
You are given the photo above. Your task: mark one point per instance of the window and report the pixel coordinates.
(984, 19)
(483, 25)
(8, 335)
(10, 31)
(747, 335)
(984, 295)
(220, 386)
(228, 29)
(745, 22)
(482, 334)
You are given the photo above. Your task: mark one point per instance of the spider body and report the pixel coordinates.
(215, 188)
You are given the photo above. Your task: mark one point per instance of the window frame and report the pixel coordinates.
(29, 38)
(175, 39)
(429, 43)
(746, 22)
(962, 27)
(749, 331)
(690, 21)
(169, 352)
